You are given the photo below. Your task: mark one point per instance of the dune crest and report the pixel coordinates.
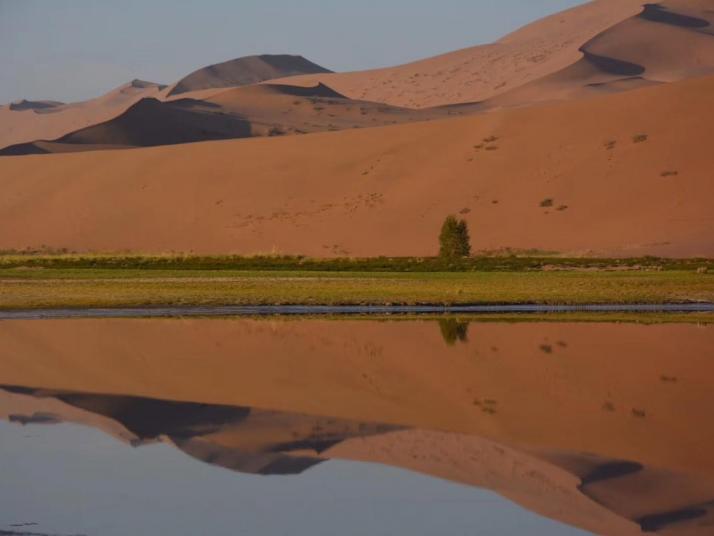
(37, 106)
(245, 71)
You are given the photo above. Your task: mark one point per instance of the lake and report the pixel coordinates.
(355, 425)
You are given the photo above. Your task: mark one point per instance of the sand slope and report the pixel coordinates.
(604, 176)
(244, 71)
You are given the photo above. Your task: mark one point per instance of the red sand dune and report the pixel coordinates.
(625, 174)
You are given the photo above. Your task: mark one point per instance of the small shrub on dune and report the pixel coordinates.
(454, 239)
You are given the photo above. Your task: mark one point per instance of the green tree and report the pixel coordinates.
(454, 240)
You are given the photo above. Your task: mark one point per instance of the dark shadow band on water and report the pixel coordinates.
(357, 310)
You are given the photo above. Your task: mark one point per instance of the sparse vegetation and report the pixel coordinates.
(44, 263)
(639, 138)
(669, 173)
(548, 202)
(26, 288)
(454, 240)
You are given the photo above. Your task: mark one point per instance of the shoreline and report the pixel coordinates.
(349, 310)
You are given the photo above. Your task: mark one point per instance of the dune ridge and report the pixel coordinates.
(245, 71)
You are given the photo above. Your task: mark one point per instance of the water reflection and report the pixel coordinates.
(601, 426)
(453, 330)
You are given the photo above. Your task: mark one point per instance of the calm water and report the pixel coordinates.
(277, 426)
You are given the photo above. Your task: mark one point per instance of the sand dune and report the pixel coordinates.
(51, 120)
(602, 46)
(624, 174)
(667, 42)
(264, 110)
(479, 73)
(245, 71)
(35, 122)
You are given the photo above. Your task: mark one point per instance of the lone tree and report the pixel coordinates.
(454, 239)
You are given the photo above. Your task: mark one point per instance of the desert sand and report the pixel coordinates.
(625, 174)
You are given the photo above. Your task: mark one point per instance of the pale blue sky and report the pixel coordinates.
(76, 49)
(75, 480)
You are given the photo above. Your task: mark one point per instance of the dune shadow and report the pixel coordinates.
(657, 522)
(659, 13)
(320, 90)
(609, 471)
(613, 65)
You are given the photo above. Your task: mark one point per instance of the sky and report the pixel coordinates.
(72, 50)
(69, 479)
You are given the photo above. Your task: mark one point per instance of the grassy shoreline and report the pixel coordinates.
(40, 282)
